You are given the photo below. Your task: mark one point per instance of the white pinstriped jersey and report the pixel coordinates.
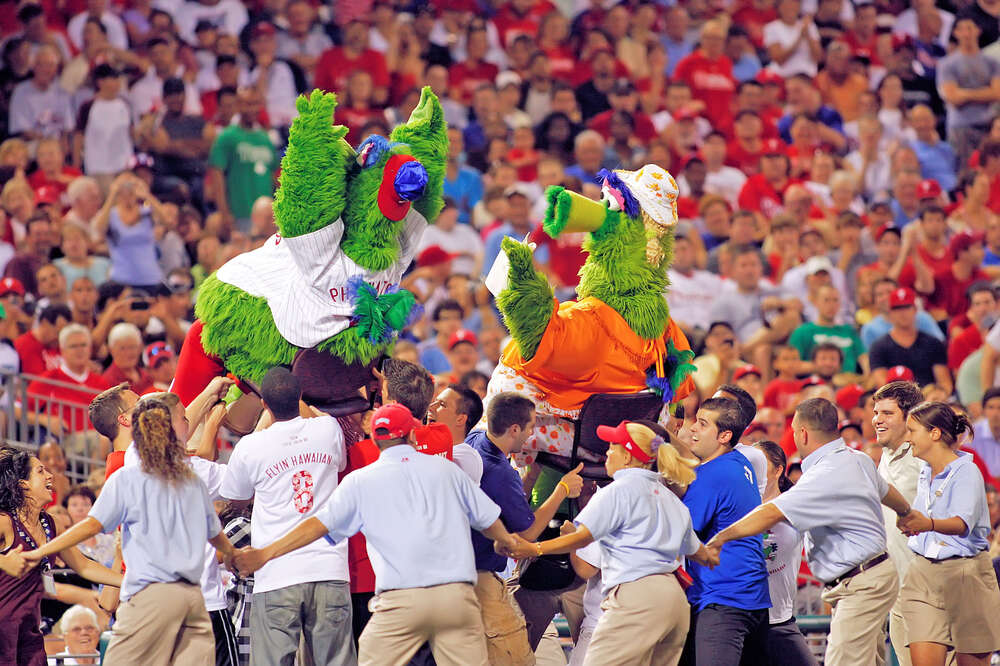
(304, 279)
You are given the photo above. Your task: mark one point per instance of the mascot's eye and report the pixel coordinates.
(613, 196)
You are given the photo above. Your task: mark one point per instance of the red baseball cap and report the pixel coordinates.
(744, 370)
(847, 423)
(888, 226)
(899, 373)
(903, 297)
(756, 426)
(849, 396)
(9, 284)
(395, 418)
(263, 28)
(685, 114)
(928, 189)
(812, 380)
(621, 436)
(156, 353)
(767, 77)
(774, 147)
(46, 195)
(462, 335)
(963, 240)
(434, 255)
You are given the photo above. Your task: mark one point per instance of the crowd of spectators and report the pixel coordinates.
(838, 165)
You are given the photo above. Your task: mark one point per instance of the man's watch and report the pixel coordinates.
(908, 510)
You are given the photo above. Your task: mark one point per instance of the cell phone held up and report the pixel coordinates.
(140, 304)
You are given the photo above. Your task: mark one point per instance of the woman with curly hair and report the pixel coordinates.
(25, 487)
(166, 518)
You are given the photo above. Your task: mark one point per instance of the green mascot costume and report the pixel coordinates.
(324, 291)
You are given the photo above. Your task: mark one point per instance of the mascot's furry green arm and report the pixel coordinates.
(618, 336)
(349, 224)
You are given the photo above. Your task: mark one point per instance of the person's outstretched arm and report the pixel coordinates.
(248, 560)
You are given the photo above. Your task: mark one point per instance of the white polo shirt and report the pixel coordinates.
(291, 470)
(838, 504)
(901, 469)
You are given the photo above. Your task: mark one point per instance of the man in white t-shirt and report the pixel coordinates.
(459, 408)
(291, 469)
(459, 240)
(692, 290)
(748, 410)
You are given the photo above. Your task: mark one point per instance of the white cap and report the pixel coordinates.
(656, 191)
(817, 264)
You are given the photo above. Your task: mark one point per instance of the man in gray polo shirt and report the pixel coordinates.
(837, 504)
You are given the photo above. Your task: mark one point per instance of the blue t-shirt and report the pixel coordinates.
(501, 484)
(725, 491)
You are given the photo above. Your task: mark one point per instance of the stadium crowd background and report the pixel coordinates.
(838, 165)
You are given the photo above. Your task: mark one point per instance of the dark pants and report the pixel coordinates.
(226, 651)
(360, 613)
(784, 646)
(718, 634)
(539, 608)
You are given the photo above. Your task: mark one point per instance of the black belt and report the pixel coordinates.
(864, 566)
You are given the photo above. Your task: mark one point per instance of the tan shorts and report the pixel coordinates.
(954, 603)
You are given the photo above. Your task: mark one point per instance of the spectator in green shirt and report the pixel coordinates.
(242, 164)
(825, 330)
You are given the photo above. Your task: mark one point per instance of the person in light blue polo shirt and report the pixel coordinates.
(728, 605)
(950, 596)
(643, 530)
(415, 511)
(837, 503)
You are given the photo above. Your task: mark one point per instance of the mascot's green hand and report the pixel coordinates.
(520, 256)
(557, 211)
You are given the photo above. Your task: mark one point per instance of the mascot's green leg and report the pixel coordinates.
(527, 302)
(314, 170)
(240, 329)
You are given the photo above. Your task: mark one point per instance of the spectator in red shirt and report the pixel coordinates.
(623, 97)
(354, 109)
(38, 349)
(951, 284)
(337, 64)
(764, 192)
(780, 392)
(932, 248)
(523, 156)
(709, 73)
(521, 17)
(747, 147)
(968, 331)
(553, 41)
(125, 346)
(464, 77)
(52, 170)
(66, 405)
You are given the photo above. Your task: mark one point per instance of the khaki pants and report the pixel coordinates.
(860, 605)
(897, 635)
(446, 616)
(164, 623)
(503, 622)
(645, 622)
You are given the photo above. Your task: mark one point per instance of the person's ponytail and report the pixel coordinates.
(962, 425)
(160, 453)
(675, 469)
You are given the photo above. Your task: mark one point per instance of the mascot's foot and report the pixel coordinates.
(330, 384)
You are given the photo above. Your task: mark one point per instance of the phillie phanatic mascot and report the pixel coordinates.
(617, 337)
(324, 291)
